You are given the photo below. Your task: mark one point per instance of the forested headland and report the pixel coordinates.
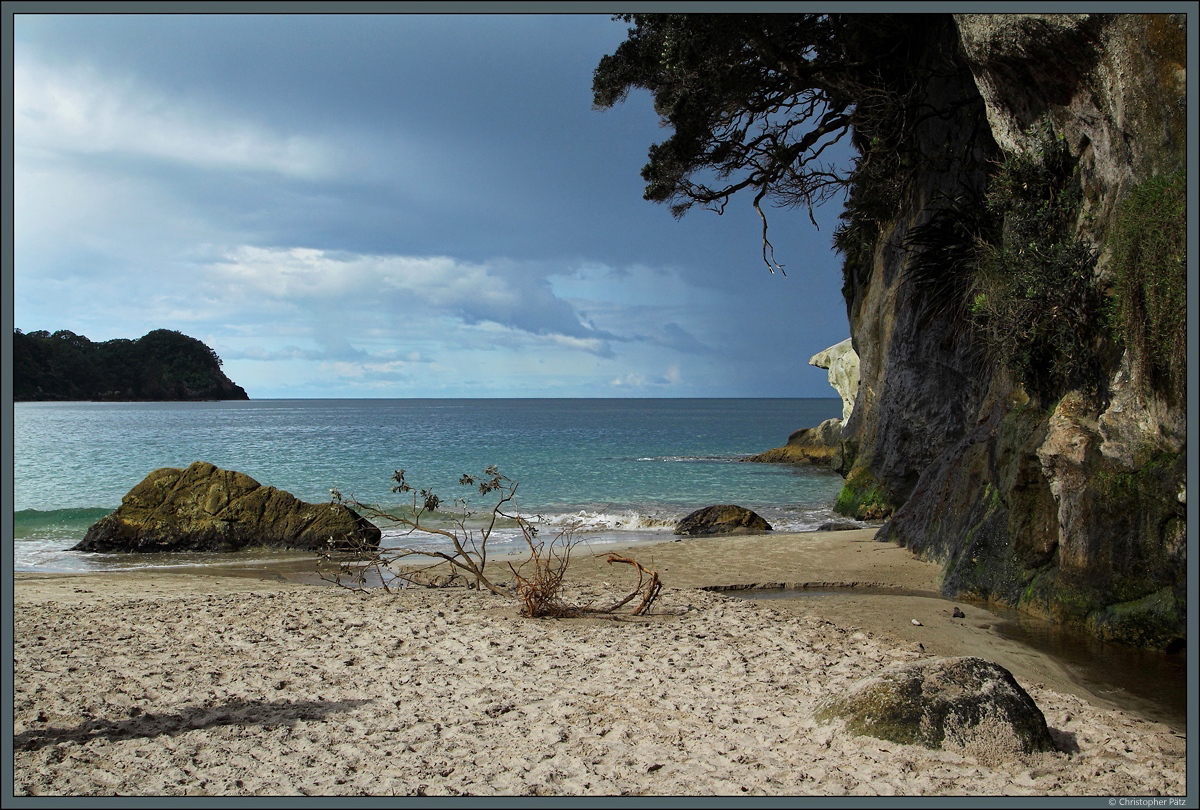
(162, 365)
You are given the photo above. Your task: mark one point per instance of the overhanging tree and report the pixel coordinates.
(756, 101)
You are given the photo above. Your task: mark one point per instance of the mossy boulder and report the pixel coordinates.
(723, 519)
(203, 508)
(962, 704)
(863, 497)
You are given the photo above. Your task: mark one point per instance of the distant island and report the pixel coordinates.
(163, 365)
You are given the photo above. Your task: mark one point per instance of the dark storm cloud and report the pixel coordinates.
(274, 181)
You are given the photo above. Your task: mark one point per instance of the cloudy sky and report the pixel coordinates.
(391, 206)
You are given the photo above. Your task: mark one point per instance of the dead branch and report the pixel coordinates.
(649, 593)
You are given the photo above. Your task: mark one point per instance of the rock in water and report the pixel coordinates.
(204, 508)
(725, 519)
(963, 704)
(816, 445)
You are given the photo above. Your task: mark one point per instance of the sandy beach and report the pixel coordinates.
(190, 684)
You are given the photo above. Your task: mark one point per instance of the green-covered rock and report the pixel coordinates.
(961, 704)
(203, 508)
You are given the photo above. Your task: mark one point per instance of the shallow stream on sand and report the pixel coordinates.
(1151, 684)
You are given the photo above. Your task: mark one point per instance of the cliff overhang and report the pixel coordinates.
(1021, 411)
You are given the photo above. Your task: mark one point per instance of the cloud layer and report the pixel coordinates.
(400, 205)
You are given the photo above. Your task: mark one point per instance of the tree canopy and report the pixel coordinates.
(161, 365)
(755, 102)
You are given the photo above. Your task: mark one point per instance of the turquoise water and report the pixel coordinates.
(620, 470)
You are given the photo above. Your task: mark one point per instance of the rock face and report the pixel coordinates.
(1037, 485)
(725, 519)
(842, 363)
(203, 508)
(961, 704)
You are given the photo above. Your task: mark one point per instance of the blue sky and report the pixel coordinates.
(391, 206)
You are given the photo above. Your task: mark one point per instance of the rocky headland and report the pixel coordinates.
(161, 366)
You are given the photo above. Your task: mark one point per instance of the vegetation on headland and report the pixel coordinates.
(162, 365)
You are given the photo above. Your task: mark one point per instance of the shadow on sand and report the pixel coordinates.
(146, 724)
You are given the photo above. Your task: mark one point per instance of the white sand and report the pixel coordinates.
(192, 685)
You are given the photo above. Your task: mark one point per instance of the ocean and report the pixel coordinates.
(613, 470)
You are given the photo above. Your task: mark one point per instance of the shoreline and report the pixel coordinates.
(262, 684)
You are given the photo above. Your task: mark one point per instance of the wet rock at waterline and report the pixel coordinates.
(203, 508)
(723, 519)
(839, 526)
(815, 445)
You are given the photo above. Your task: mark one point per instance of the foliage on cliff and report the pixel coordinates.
(1034, 298)
(756, 100)
(1149, 268)
(1014, 244)
(163, 365)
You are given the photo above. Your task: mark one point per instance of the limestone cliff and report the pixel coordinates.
(820, 444)
(1021, 408)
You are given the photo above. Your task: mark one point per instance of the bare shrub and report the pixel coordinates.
(468, 559)
(538, 580)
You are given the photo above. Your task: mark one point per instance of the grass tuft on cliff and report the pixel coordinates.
(1148, 265)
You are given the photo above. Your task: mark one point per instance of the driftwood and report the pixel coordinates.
(649, 593)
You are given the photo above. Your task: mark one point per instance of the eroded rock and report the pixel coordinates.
(841, 361)
(204, 508)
